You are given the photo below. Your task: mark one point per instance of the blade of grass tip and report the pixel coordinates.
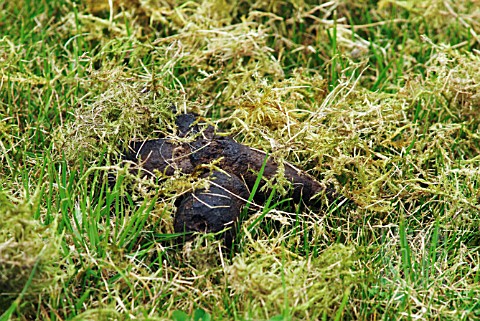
(140, 221)
(82, 299)
(39, 192)
(433, 247)
(244, 212)
(119, 207)
(405, 250)
(95, 222)
(337, 205)
(255, 186)
(333, 39)
(346, 295)
(304, 231)
(135, 224)
(381, 77)
(266, 209)
(109, 199)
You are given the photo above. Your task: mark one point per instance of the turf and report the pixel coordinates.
(379, 99)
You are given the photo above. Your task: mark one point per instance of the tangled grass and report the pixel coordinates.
(378, 99)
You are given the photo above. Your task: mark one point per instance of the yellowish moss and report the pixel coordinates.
(269, 280)
(27, 250)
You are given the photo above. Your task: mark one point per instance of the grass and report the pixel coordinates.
(378, 99)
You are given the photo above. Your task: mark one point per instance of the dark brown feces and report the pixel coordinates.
(219, 206)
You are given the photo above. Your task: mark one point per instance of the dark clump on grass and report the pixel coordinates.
(214, 209)
(237, 169)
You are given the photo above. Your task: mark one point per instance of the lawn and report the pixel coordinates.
(379, 100)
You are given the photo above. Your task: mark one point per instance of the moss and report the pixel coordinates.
(27, 250)
(119, 111)
(268, 280)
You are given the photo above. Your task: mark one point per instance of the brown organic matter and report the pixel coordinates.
(214, 209)
(219, 206)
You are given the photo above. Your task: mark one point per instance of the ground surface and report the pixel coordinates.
(379, 99)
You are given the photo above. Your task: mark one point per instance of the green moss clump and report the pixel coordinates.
(118, 111)
(28, 250)
(270, 280)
